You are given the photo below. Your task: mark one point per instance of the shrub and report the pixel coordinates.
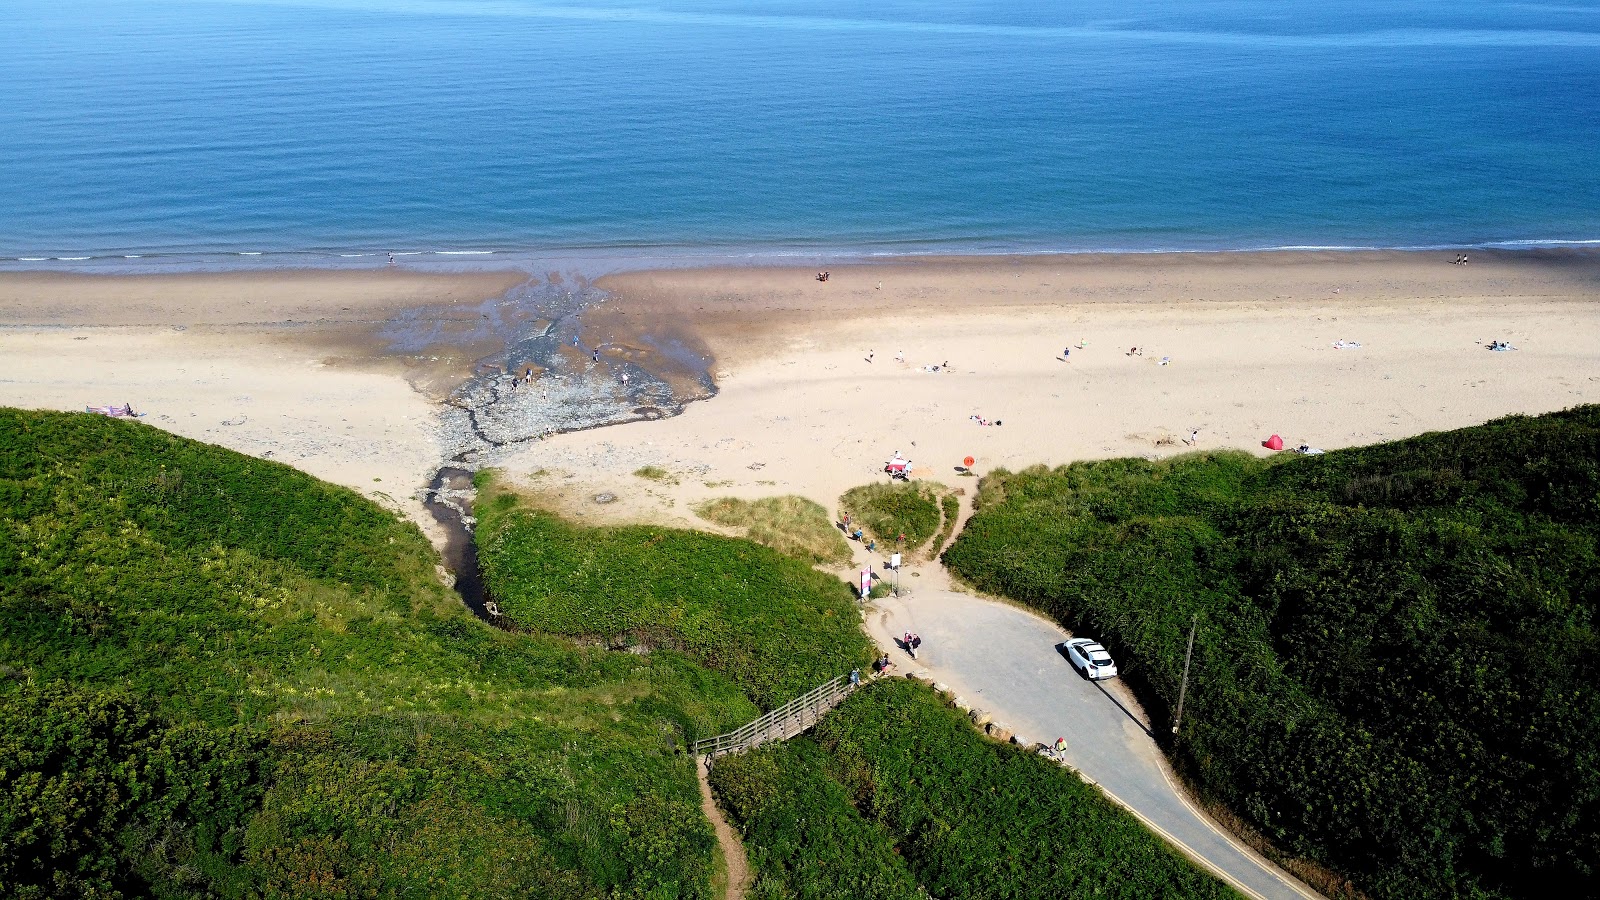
(886, 511)
(772, 624)
(222, 677)
(1396, 668)
(895, 779)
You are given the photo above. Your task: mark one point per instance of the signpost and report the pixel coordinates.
(894, 563)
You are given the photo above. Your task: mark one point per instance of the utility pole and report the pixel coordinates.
(1183, 688)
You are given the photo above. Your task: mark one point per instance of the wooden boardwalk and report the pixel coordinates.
(783, 723)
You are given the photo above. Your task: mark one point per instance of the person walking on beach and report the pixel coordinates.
(597, 354)
(391, 258)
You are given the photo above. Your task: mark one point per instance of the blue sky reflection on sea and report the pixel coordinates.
(272, 125)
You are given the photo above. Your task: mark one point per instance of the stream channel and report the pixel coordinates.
(547, 379)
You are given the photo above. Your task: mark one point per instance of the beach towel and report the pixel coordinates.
(116, 412)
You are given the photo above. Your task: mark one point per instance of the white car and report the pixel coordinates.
(1088, 657)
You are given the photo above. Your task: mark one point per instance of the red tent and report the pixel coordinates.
(1273, 443)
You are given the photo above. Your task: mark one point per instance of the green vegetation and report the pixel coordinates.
(793, 526)
(894, 790)
(222, 677)
(886, 511)
(950, 508)
(772, 624)
(1396, 673)
(656, 473)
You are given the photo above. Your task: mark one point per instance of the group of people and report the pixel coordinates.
(912, 641)
(982, 421)
(824, 276)
(1460, 260)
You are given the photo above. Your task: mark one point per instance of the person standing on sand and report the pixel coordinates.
(597, 354)
(871, 354)
(391, 258)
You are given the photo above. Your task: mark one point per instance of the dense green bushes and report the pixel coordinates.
(1397, 670)
(802, 833)
(219, 676)
(771, 623)
(888, 510)
(894, 789)
(82, 771)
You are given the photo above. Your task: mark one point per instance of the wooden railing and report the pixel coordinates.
(782, 723)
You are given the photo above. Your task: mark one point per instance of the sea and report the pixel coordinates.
(348, 129)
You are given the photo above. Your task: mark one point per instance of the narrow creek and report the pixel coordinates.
(551, 377)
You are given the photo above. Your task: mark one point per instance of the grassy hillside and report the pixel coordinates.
(221, 677)
(895, 790)
(769, 622)
(1397, 669)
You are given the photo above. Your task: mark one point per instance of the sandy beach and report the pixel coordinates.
(281, 365)
(821, 381)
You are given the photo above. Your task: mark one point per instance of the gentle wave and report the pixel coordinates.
(1385, 37)
(714, 255)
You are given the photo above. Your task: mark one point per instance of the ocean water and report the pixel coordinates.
(779, 126)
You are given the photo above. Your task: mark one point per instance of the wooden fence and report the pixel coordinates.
(782, 723)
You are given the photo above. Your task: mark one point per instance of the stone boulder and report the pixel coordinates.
(980, 717)
(999, 731)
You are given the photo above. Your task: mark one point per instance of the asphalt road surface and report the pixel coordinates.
(1003, 659)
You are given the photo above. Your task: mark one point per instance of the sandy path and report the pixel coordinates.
(738, 866)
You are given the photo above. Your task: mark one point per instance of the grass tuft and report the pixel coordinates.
(793, 526)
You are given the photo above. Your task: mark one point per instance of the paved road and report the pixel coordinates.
(1003, 659)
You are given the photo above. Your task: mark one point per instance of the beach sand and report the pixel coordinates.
(295, 364)
(282, 365)
(1248, 340)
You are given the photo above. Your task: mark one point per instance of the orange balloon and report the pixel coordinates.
(968, 462)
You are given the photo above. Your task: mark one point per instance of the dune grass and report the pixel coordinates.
(886, 511)
(656, 473)
(793, 526)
